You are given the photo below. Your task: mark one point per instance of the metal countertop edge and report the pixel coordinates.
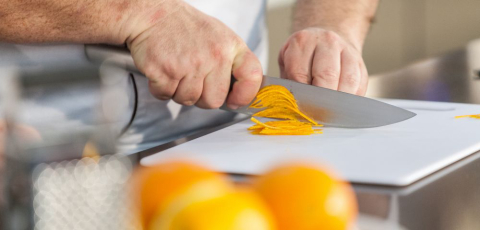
(148, 152)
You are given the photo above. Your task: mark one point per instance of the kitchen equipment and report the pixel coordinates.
(46, 182)
(326, 106)
(395, 155)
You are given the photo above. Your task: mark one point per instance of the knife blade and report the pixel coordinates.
(328, 107)
(335, 108)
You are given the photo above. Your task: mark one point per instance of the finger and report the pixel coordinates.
(163, 88)
(247, 70)
(298, 61)
(281, 63)
(189, 90)
(362, 90)
(350, 75)
(215, 88)
(326, 67)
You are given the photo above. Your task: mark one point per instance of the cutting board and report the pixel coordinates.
(395, 155)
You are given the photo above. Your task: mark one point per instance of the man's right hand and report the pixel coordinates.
(189, 57)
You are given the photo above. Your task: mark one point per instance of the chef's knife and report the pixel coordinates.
(328, 107)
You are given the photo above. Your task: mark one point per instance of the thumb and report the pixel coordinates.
(248, 74)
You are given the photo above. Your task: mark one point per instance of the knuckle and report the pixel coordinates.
(169, 67)
(255, 75)
(194, 95)
(222, 90)
(238, 40)
(197, 61)
(218, 51)
(328, 75)
(150, 70)
(331, 36)
(351, 79)
(298, 75)
(301, 36)
(215, 104)
(248, 71)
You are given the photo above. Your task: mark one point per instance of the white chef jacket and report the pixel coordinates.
(158, 121)
(245, 17)
(155, 122)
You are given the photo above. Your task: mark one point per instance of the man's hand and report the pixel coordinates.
(190, 57)
(326, 48)
(323, 58)
(187, 55)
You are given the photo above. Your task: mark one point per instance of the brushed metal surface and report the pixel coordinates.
(452, 77)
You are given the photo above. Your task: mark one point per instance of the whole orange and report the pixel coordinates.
(156, 186)
(303, 196)
(235, 210)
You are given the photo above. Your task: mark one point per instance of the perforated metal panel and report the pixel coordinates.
(83, 194)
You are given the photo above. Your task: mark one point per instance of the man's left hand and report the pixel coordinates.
(324, 58)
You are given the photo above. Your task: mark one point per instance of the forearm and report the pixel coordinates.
(349, 18)
(82, 21)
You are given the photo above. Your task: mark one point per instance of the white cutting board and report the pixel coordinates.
(397, 154)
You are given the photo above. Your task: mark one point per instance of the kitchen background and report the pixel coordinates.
(403, 31)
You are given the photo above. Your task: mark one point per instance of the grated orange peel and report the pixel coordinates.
(279, 103)
(475, 116)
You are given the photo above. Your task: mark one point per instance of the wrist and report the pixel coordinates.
(113, 21)
(145, 14)
(351, 36)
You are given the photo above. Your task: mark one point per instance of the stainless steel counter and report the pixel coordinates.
(453, 77)
(447, 199)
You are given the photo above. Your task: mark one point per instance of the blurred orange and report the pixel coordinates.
(230, 211)
(158, 185)
(304, 196)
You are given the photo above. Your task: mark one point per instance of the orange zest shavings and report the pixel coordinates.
(279, 103)
(475, 116)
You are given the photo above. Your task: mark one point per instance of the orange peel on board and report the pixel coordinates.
(475, 116)
(279, 103)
